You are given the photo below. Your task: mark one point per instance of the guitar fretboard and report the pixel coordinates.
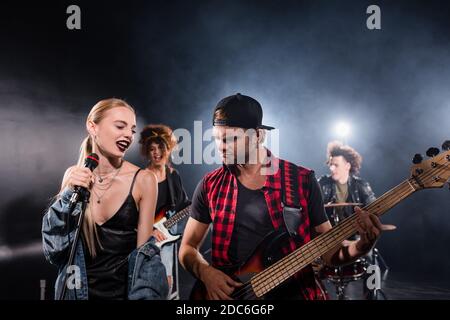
(177, 217)
(285, 268)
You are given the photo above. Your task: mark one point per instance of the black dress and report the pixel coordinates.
(107, 273)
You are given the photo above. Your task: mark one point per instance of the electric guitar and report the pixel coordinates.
(163, 224)
(263, 271)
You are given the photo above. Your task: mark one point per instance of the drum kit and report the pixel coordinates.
(341, 276)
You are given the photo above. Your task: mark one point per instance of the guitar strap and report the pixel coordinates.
(290, 199)
(172, 203)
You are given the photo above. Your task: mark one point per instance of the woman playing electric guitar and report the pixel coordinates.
(157, 142)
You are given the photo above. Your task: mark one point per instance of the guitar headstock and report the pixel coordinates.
(434, 172)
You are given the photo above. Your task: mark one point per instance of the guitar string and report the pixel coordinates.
(177, 217)
(387, 205)
(288, 261)
(399, 188)
(346, 227)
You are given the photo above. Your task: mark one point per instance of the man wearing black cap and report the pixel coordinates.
(244, 201)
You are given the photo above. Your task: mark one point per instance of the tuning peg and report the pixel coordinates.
(446, 145)
(432, 152)
(417, 158)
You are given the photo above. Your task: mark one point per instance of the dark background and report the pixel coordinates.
(309, 63)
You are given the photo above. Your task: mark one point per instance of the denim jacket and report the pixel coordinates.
(359, 191)
(146, 273)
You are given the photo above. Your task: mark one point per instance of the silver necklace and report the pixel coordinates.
(99, 197)
(101, 179)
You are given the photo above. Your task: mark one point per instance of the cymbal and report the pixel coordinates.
(342, 204)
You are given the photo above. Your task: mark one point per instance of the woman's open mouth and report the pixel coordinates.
(123, 145)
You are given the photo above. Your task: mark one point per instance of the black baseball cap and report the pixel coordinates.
(242, 112)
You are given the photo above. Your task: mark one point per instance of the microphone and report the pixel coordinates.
(91, 162)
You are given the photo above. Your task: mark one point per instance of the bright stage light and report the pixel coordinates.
(342, 129)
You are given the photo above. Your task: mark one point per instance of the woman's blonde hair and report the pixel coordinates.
(96, 115)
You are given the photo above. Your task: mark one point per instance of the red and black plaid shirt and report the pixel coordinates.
(221, 191)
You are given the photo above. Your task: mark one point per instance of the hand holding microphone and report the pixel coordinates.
(80, 178)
